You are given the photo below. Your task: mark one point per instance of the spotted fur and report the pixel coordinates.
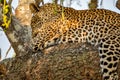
(98, 27)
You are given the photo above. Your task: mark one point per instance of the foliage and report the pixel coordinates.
(61, 2)
(6, 19)
(55, 10)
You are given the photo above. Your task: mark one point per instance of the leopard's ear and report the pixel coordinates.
(33, 7)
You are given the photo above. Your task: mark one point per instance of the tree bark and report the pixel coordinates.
(62, 62)
(18, 35)
(118, 4)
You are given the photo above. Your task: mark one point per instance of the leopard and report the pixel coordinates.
(53, 24)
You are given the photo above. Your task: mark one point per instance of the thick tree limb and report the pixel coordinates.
(62, 62)
(118, 4)
(18, 35)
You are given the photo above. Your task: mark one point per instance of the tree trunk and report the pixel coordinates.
(18, 35)
(118, 4)
(61, 62)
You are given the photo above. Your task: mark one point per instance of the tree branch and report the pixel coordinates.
(18, 35)
(118, 4)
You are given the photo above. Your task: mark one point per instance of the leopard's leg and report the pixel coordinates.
(109, 51)
(53, 41)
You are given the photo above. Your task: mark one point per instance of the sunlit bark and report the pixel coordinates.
(118, 4)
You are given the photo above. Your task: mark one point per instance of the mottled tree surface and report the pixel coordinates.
(62, 62)
(118, 4)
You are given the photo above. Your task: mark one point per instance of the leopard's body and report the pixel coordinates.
(99, 27)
